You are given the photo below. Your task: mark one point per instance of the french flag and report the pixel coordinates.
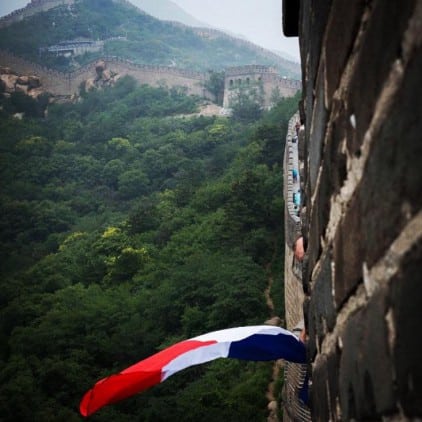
(255, 343)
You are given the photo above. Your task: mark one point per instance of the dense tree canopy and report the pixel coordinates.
(126, 227)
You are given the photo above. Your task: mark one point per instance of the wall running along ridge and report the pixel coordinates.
(62, 84)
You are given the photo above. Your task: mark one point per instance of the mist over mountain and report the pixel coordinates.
(130, 34)
(169, 11)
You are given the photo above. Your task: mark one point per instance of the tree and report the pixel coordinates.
(132, 184)
(215, 85)
(247, 101)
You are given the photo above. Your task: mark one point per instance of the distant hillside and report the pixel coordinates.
(133, 35)
(167, 10)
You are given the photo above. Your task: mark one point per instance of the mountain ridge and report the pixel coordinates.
(149, 40)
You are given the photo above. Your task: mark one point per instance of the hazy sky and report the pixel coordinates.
(257, 20)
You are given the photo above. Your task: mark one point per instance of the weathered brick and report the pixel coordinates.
(366, 377)
(313, 240)
(325, 388)
(308, 310)
(314, 17)
(335, 160)
(322, 301)
(407, 310)
(342, 28)
(333, 363)
(376, 370)
(393, 177)
(348, 254)
(381, 46)
(319, 121)
(319, 397)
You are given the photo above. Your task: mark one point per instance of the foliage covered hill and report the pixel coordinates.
(125, 229)
(149, 40)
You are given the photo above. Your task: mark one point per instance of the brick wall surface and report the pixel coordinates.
(361, 210)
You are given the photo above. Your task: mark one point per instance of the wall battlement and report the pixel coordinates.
(68, 84)
(258, 75)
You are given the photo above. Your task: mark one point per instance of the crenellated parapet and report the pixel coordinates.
(68, 83)
(249, 70)
(295, 375)
(291, 183)
(264, 78)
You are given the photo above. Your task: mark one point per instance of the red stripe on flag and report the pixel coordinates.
(134, 379)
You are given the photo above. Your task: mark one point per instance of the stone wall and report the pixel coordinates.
(68, 84)
(294, 374)
(260, 77)
(362, 199)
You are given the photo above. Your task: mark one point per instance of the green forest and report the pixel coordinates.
(130, 223)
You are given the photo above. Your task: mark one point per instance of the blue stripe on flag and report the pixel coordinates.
(259, 347)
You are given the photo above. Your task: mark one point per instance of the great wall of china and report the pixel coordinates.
(62, 84)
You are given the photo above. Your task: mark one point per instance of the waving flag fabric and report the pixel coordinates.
(256, 343)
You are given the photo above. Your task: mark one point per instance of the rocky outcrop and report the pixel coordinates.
(27, 84)
(31, 85)
(108, 70)
(104, 77)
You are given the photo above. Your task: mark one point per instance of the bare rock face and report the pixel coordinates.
(35, 92)
(34, 81)
(9, 82)
(103, 78)
(21, 88)
(23, 80)
(5, 70)
(90, 84)
(106, 75)
(100, 67)
(27, 84)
